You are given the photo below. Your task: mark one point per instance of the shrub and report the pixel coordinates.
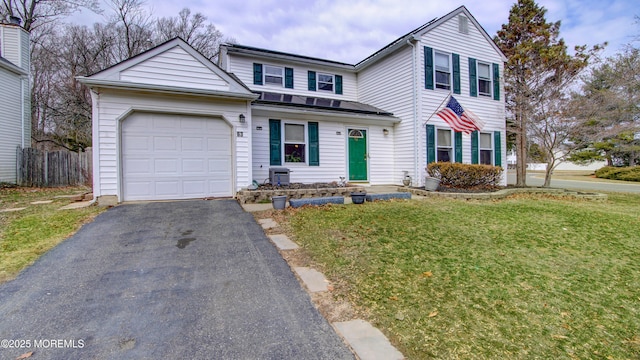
(465, 175)
(629, 173)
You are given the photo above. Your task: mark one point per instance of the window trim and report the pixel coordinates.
(480, 148)
(264, 75)
(451, 147)
(333, 82)
(435, 70)
(489, 79)
(305, 143)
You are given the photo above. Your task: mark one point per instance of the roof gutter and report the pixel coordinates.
(175, 90)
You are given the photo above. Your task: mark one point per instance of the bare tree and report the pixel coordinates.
(36, 13)
(193, 29)
(133, 24)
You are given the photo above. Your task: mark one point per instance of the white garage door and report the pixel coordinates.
(175, 157)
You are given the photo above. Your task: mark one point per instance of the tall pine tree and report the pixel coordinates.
(538, 65)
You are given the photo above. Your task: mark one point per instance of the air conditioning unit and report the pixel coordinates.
(279, 176)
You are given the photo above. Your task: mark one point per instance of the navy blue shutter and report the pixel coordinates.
(456, 73)
(457, 139)
(275, 152)
(473, 78)
(288, 78)
(498, 148)
(311, 75)
(338, 84)
(257, 74)
(431, 144)
(496, 82)
(474, 147)
(314, 144)
(428, 68)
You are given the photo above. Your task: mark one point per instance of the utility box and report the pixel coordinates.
(279, 176)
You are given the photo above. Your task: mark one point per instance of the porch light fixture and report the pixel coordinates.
(242, 118)
(385, 132)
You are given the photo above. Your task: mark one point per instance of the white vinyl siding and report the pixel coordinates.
(115, 104)
(242, 67)
(388, 86)
(333, 152)
(472, 45)
(175, 67)
(10, 124)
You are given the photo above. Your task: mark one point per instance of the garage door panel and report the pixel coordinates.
(166, 166)
(138, 142)
(164, 143)
(194, 166)
(192, 144)
(195, 187)
(138, 166)
(175, 157)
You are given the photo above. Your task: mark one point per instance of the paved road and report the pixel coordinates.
(537, 179)
(172, 280)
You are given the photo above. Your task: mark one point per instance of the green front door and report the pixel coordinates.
(357, 155)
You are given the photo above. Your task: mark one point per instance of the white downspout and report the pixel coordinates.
(416, 179)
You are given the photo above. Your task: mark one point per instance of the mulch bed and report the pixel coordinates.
(444, 188)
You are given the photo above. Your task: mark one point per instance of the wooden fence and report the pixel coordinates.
(53, 168)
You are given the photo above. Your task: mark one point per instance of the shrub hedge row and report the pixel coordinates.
(465, 175)
(629, 173)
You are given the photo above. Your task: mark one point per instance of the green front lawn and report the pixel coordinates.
(525, 277)
(27, 234)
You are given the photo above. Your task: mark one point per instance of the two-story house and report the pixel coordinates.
(15, 95)
(169, 124)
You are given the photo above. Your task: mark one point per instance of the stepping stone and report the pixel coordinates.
(13, 209)
(313, 279)
(368, 342)
(76, 205)
(282, 242)
(42, 202)
(267, 223)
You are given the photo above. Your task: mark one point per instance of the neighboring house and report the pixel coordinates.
(15, 103)
(169, 124)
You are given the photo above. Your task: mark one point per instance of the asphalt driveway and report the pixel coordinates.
(164, 280)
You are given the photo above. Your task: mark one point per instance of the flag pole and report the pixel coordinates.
(438, 108)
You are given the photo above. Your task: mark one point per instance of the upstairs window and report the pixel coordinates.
(273, 75)
(484, 79)
(325, 82)
(443, 71)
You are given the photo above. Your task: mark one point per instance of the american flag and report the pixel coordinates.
(460, 119)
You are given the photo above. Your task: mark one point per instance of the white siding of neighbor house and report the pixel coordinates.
(242, 67)
(447, 38)
(10, 124)
(112, 105)
(387, 85)
(175, 67)
(333, 153)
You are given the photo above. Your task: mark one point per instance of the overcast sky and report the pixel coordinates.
(350, 30)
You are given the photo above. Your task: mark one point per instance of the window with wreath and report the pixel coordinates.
(294, 143)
